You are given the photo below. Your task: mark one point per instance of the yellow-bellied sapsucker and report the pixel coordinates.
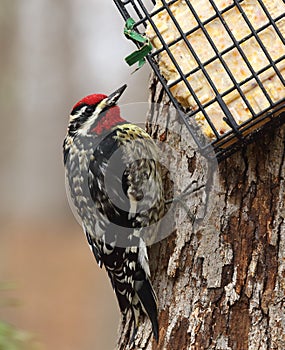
(115, 182)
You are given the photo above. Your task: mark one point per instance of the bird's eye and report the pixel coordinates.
(89, 110)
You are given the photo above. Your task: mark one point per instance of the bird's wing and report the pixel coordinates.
(126, 185)
(142, 178)
(125, 180)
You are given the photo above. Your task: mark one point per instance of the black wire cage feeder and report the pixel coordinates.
(221, 62)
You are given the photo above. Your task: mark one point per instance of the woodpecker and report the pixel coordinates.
(115, 182)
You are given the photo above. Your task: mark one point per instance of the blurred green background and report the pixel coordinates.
(52, 54)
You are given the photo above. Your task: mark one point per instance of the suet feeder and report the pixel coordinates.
(222, 63)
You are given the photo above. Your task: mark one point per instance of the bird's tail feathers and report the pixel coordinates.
(147, 300)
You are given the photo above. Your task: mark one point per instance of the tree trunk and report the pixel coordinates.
(220, 280)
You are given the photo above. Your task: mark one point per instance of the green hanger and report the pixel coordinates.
(138, 55)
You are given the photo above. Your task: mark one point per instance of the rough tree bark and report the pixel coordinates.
(220, 281)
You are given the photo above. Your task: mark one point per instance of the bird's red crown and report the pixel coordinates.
(90, 100)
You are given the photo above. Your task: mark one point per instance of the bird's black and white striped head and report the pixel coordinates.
(95, 113)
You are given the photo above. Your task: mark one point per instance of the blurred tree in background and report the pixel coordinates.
(53, 53)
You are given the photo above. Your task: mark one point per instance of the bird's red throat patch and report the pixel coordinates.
(110, 119)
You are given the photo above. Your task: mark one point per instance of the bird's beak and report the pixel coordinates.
(114, 97)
